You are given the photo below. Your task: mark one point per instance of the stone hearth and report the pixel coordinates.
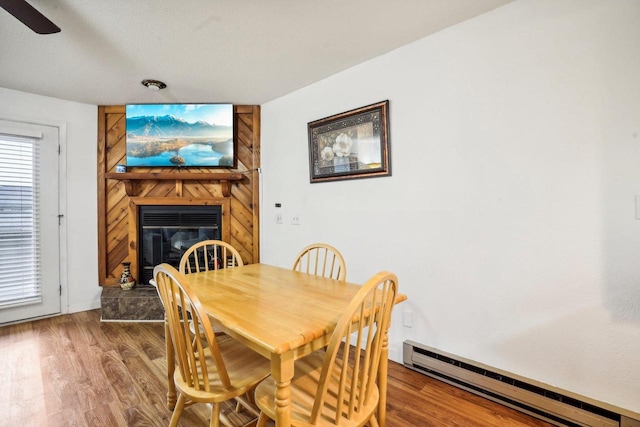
(141, 303)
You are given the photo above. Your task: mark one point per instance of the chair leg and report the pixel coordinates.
(215, 415)
(373, 421)
(246, 402)
(262, 420)
(178, 410)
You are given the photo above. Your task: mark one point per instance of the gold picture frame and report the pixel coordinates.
(353, 144)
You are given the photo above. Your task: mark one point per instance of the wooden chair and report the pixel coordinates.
(221, 370)
(322, 260)
(339, 387)
(209, 255)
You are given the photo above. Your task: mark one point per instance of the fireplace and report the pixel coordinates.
(166, 232)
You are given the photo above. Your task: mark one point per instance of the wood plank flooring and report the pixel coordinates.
(74, 370)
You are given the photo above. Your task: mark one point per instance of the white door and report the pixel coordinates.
(29, 236)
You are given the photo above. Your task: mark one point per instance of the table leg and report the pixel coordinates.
(282, 373)
(383, 367)
(171, 366)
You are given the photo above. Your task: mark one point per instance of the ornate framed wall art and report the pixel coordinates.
(353, 144)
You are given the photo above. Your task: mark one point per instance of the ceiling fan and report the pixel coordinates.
(29, 16)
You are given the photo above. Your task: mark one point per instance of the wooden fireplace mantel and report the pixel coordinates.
(130, 179)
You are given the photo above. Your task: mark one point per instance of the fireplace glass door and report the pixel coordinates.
(166, 232)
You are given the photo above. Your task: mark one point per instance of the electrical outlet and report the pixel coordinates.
(278, 218)
(295, 220)
(407, 319)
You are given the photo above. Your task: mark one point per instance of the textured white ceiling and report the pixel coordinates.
(239, 51)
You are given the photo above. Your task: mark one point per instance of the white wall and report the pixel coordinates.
(510, 216)
(80, 280)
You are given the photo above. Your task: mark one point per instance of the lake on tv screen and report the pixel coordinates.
(190, 155)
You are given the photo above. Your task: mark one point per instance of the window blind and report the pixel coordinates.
(20, 270)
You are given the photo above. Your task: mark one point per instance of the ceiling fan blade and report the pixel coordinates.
(29, 16)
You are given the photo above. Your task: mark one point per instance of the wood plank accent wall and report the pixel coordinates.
(117, 210)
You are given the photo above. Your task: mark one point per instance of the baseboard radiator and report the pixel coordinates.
(536, 399)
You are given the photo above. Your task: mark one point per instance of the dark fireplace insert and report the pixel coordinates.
(166, 232)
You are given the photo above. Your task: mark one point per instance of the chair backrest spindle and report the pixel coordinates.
(321, 259)
(209, 255)
(350, 366)
(181, 308)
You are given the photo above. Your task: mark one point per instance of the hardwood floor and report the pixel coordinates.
(74, 370)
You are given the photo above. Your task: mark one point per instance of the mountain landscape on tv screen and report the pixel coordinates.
(172, 141)
(173, 127)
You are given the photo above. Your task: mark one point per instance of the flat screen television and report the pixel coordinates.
(181, 135)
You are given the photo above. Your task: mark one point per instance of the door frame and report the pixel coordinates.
(62, 205)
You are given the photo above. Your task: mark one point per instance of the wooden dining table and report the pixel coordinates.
(279, 313)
